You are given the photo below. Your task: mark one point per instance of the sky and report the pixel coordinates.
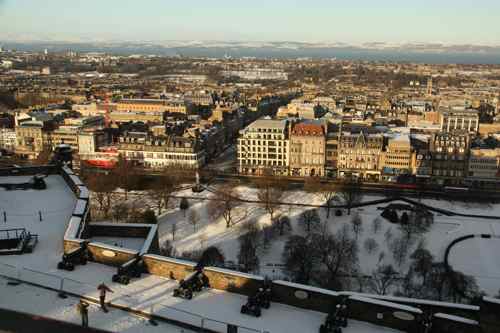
(349, 21)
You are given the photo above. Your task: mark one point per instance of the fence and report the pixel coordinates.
(65, 285)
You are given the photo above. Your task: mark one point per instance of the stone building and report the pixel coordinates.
(264, 146)
(359, 154)
(459, 120)
(484, 167)
(307, 149)
(449, 157)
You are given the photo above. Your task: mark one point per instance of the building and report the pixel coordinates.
(161, 152)
(359, 154)
(7, 138)
(89, 141)
(484, 167)
(397, 158)
(31, 138)
(307, 149)
(263, 146)
(151, 106)
(134, 116)
(459, 120)
(449, 157)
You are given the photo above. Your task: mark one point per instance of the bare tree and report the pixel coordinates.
(282, 224)
(338, 253)
(383, 278)
(270, 192)
(370, 245)
(249, 244)
(194, 218)
(357, 225)
(376, 225)
(300, 259)
(162, 190)
(223, 204)
(310, 220)
(350, 194)
(399, 248)
(327, 191)
(125, 175)
(173, 230)
(102, 188)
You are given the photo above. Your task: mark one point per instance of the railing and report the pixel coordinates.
(65, 285)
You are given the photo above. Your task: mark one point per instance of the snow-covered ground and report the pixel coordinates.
(43, 302)
(151, 294)
(445, 229)
(126, 242)
(479, 257)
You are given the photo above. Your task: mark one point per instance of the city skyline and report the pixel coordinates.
(316, 21)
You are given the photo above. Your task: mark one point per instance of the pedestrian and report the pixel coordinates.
(82, 308)
(102, 295)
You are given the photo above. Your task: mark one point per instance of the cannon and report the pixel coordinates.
(335, 320)
(78, 256)
(194, 282)
(254, 304)
(131, 269)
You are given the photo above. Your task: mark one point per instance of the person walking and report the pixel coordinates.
(102, 295)
(82, 308)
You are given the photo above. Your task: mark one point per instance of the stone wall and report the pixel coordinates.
(385, 314)
(304, 297)
(232, 281)
(490, 315)
(445, 324)
(110, 255)
(168, 267)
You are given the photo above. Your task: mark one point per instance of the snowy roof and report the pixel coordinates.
(172, 260)
(456, 319)
(230, 272)
(386, 304)
(305, 287)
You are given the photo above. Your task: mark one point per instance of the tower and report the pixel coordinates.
(429, 86)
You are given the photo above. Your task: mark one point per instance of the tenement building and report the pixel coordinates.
(160, 152)
(449, 157)
(263, 146)
(307, 149)
(484, 167)
(359, 154)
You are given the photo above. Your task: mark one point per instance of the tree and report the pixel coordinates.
(125, 175)
(376, 225)
(357, 225)
(167, 249)
(399, 248)
(270, 192)
(211, 256)
(282, 223)
(299, 258)
(370, 245)
(310, 220)
(149, 217)
(327, 191)
(247, 255)
(383, 278)
(102, 188)
(173, 230)
(194, 218)
(338, 253)
(223, 203)
(161, 191)
(184, 205)
(350, 194)
(422, 261)
(121, 212)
